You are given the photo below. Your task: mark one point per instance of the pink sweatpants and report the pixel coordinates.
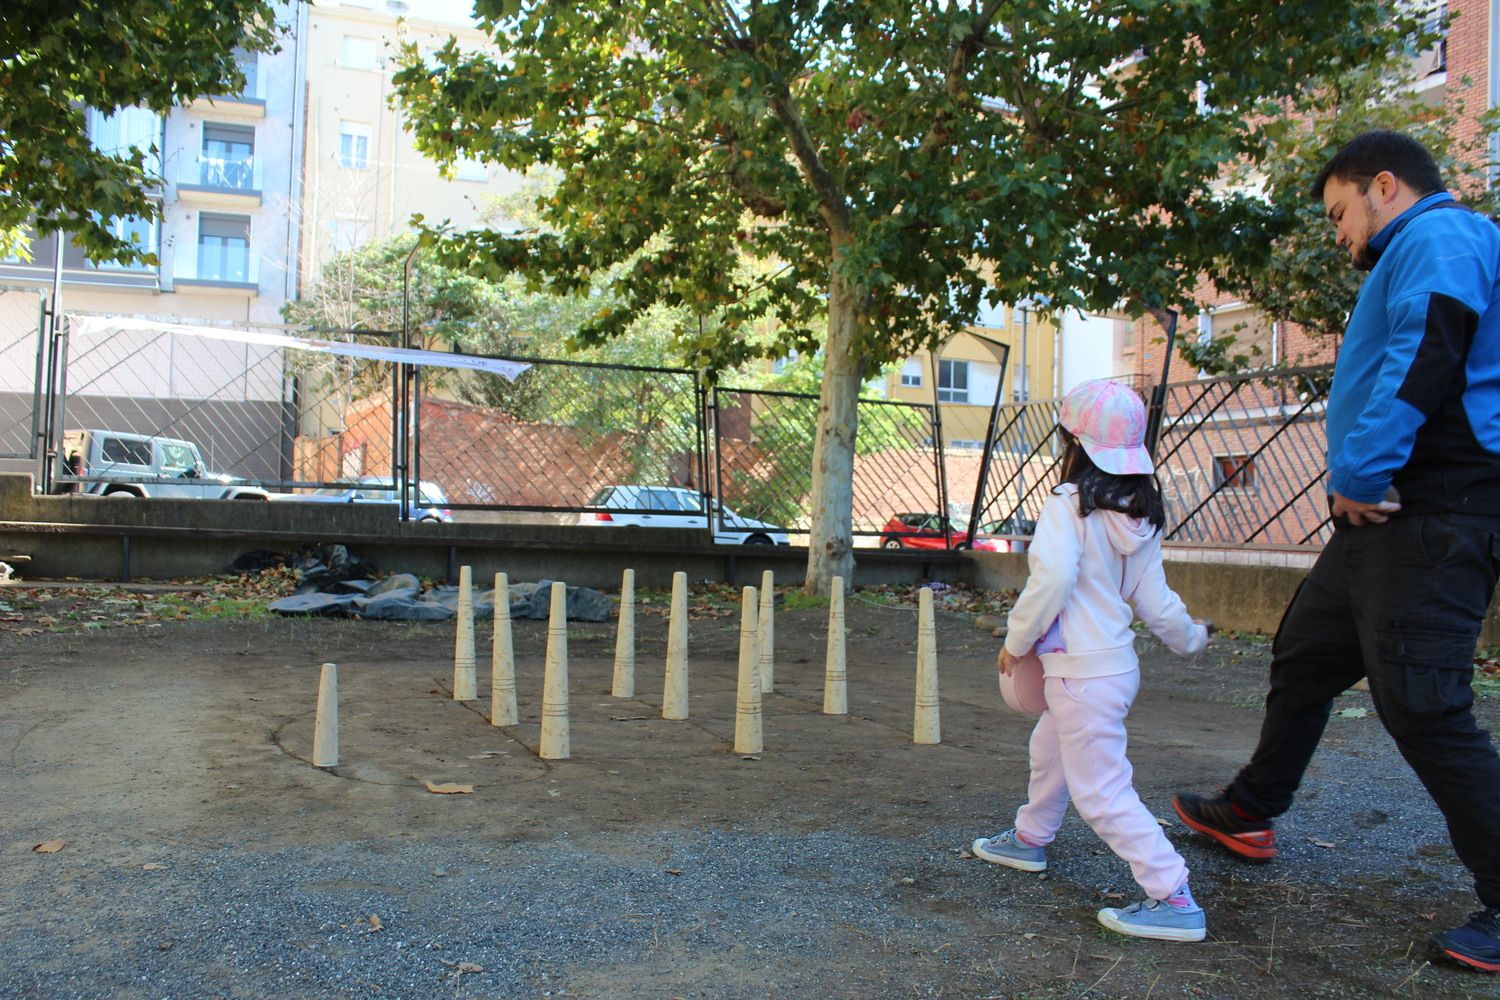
(1078, 747)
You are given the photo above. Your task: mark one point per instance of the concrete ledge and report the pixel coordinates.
(1234, 597)
(104, 538)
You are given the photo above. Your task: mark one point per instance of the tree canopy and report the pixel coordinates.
(1303, 276)
(890, 163)
(59, 60)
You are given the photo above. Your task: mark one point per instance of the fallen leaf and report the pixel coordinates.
(555, 793)
(449, 788)
(1352, 713)
(1163, 822)
(462, 966)
(1319, 843)
(375, 924)
(153, 866)
(50, 847)
(673, 871)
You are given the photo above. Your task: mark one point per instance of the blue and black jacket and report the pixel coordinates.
(1416, 390)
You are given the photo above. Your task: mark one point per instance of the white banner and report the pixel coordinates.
(92, 326)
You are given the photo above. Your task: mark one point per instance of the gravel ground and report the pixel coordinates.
(204, 857)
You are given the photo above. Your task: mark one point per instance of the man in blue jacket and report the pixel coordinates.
(1399, 593)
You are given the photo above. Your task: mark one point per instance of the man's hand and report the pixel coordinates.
(1008, 662)
(1360, 514)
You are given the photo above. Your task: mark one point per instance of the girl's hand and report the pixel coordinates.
(1212, 628)
(1008, 662)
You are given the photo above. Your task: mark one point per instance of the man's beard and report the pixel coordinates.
(1364, 258)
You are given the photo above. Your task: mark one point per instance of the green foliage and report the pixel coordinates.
(928, 154)
(1293, 270)
(59, 60)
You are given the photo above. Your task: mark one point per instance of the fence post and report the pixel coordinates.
(1157, 407)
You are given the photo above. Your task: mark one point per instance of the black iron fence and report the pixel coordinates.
(1240, 459)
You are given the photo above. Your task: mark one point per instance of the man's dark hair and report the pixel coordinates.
(1371, 152)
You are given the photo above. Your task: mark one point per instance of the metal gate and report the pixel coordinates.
(22, 367)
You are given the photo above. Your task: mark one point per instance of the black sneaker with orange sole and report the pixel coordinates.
(1213, 816)
(1475, 945)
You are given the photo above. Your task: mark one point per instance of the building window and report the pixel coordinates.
(911, 372)
(348, 234)
(359, 53)
(953, 382)
(354, 145)
(1234, 472)
(139, 233)
(469, 168)
(126, 131)
(223, 248)
(228, 159)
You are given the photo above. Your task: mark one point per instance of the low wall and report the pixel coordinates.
(1234, 597)
(95, 538)
(98, 538)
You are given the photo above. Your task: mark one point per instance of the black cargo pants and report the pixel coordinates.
(1402, 604)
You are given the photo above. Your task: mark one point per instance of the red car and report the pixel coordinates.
(922, 531)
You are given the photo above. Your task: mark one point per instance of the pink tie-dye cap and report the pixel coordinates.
(1109, 420)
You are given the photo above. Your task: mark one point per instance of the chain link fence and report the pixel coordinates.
(763, 458)
(22, 363)
(1239, 458)
(551, 439)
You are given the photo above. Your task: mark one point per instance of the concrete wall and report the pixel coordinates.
(99, 538)
(96, 538)
(1237, 598)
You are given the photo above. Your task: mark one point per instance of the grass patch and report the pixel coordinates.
(796, 600)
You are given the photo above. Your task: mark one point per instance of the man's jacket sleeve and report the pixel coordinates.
(1432, 312)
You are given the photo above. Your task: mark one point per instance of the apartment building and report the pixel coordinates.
(364, 178)
(229, 172)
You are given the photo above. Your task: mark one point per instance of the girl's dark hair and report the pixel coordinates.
(1138, 496)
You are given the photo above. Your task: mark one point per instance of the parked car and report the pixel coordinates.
(120, 464)
(676, 507)
(428, 502)
(922, 531)
(983, 540)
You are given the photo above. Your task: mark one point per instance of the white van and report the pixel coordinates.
(117, 464)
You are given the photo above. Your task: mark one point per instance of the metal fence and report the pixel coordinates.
(22, 361)
(553, 437)
(762, 458)
(1239, 459)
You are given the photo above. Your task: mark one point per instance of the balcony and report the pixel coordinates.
(225, 267)
(221, 182)
(248, 105)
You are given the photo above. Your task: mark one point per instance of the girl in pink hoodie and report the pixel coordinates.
(1095, 565)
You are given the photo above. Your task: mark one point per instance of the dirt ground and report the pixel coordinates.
(202, 854)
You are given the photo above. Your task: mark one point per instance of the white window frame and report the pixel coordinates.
(911, 373)
(947, 389)
(351, 133)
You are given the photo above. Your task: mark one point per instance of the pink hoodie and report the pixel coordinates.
(1089, 572)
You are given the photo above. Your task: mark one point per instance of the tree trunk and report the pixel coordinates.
(830, 548)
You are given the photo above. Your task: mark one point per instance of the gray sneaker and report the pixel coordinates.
(1005, 849)
(1156, 920)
